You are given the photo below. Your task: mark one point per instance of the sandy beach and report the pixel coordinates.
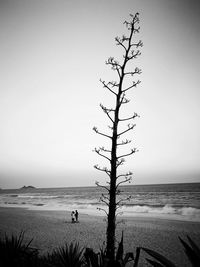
(50, 229)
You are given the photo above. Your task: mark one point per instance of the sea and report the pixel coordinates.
(165, 201)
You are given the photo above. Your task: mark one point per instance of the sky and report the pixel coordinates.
(52, 55)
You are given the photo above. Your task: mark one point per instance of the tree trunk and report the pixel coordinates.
(111, 225)
(113, 177)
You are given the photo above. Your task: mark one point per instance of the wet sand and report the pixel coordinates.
(50, 229)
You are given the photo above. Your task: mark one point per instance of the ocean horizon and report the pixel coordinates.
(179, 201)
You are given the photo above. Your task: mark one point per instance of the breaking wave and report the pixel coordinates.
(167, 209)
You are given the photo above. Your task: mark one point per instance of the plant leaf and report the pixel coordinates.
(128, 257)
(159, 257)
(191, 253)
(120, 250)
(154, 263)
(194, 246)
(137, 256)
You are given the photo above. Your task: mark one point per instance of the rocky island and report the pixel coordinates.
(28, 187)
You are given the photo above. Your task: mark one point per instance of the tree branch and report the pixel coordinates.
(100, 154)
(128, 154)
(127, 179)
(120, 41)
(132, 73)
(124, 100)
(104, 201)
(104, 169)
(122, 200)
(102, 186)
(104, 149)
(107, 86)
(130, 118)
(120, 162)
(139, 44)
(124, 175)
(133, 55)
(105, 197)
(118, 192)
(113, 84)
(124, 142)
(114, 63)
(133, 85)
(131, 25)
(97, 131)
(100, 209)
(130, 127)
(107, 111)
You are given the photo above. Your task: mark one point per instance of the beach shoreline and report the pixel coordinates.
(124, 215)
(51, 229)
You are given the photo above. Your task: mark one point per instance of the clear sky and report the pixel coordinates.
(52, 55)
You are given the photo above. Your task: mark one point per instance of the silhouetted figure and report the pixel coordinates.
(76, 215)
(73, 216)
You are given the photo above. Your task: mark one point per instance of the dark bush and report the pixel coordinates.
(14, 251)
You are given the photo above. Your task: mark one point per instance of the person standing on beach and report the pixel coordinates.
(76, 215)
(73, 216)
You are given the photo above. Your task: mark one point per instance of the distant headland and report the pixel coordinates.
(28, 187)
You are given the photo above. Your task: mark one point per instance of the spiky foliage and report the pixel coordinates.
(161, 260)
(192, 251)
(122, 259)
(93, 259)
(66, 256)
(101, 260)
(15, 252)
(190, 248)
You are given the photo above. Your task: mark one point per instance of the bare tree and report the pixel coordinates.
(119, 90)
